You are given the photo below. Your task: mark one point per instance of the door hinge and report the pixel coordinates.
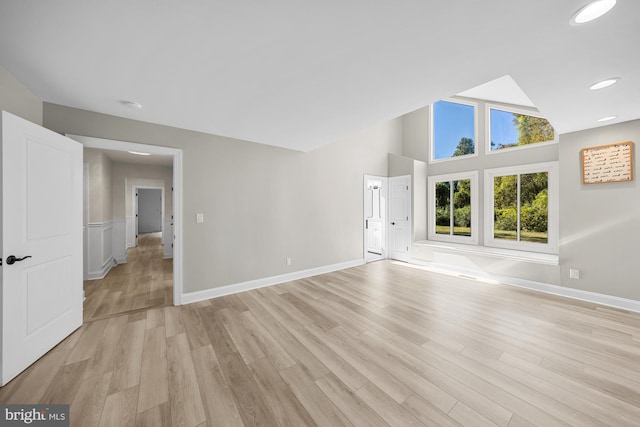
(407, 187)
(407, 218)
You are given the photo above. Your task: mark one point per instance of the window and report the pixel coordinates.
(454, 129)
(513, 128)
(453, 207)
(522, 207)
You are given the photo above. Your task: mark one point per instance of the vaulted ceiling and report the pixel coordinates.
(300, 74)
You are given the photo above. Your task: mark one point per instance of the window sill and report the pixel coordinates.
(525, 256)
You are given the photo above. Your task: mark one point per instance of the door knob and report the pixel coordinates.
(11, 259)
(393, 223)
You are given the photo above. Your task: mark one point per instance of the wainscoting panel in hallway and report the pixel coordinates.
(376, 345)
(145, 281)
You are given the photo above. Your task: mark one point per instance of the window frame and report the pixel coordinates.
(551, 247)
(489, 106)
(431, 208)
(432, 158)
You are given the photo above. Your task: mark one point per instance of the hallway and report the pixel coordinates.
(145, 281)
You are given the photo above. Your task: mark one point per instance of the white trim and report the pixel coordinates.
(553, 217)
(533, 113)
(206, 294)
(118, 239)
(107, 243)
(108, 144)
(102, 273)
(99, 251)
(130, 233)
(431, 207)
(576, 294)
(432, 131)
(524, 256)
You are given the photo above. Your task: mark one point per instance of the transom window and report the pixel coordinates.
(512, 128)
(454, 129)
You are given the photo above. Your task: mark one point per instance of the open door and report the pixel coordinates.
(41, 238)
(375, 215)
(400, 217)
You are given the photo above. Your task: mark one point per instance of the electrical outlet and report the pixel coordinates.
(199, 218)
(574, 273)
(288, 261)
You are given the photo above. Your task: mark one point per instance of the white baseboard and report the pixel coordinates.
(100, 274)
(577, 294)
(192, 297)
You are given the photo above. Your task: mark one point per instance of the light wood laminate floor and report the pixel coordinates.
(145, 281)
(376, 345)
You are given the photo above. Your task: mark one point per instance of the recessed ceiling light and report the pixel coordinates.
(591, 11)
(604, 83)
(132, 104)
(607, 119)
(140, 153)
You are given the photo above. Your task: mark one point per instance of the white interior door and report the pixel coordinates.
(375, 214)
(400, 217)
(41, 216)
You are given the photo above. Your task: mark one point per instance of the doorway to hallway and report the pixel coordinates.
(160, 274)
(145, 281)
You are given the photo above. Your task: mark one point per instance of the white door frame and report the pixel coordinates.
(368, 256)
(108, 144)
(134, 205)
(85, 221)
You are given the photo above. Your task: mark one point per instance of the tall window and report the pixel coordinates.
(513, 128)
(453, 207)
(453, 130)
(522, 207)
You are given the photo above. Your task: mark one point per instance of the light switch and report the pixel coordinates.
(199, 218)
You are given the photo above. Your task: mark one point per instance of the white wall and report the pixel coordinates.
(127, 174)
(100, 229)
(100, 201)
(600, 223)
(17, 99)
(261, 204)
